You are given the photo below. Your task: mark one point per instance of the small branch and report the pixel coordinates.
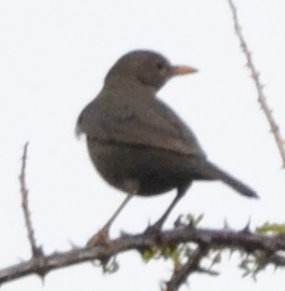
(259, 87)
(213, 239)
(277, 260)
(25, 204)
(180, 276)
(207, 271)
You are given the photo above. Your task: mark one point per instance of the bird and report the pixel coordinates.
(137, 143)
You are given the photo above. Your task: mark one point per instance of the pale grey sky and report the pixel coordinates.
(54, 56)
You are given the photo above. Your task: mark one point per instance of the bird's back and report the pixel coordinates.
(122, 117)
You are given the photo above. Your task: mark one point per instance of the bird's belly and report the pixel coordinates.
(154, 170)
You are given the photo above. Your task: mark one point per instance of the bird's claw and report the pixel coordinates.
(154, 229)
(101, 238)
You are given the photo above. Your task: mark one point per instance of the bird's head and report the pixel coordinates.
(147, 67)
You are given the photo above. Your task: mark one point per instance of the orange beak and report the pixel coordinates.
(182, 70)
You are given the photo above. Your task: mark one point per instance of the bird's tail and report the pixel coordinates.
(213, 172)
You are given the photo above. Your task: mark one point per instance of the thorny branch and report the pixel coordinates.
(180, 276)
(214, 239)
(25, 204)
(259, 87)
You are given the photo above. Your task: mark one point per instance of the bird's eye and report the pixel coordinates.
(160, 65)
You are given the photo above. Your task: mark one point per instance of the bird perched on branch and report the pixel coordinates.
(140, 145)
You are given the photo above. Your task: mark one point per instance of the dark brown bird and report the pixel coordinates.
(137, 143)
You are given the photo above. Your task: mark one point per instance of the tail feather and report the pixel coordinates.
(213, 172)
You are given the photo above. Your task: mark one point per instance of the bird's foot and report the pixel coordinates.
(154, 229)
(101, 238)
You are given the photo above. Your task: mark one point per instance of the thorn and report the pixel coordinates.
(178, 221)
(73, 245)
(191, 224)
(207, 271)
(226, 225)
(104, 263)
(124, 234)
(231, 253)
(42, 278)
(246, 229)
(42, 274)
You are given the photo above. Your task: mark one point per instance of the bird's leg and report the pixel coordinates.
(102, 237)
(156, 227)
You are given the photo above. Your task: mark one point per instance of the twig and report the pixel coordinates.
(214, 239)
(36, 251)
(277, 260)
(207, 271)
(192, 265)
(259, 87)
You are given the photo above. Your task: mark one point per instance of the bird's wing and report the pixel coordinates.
(152, 123)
